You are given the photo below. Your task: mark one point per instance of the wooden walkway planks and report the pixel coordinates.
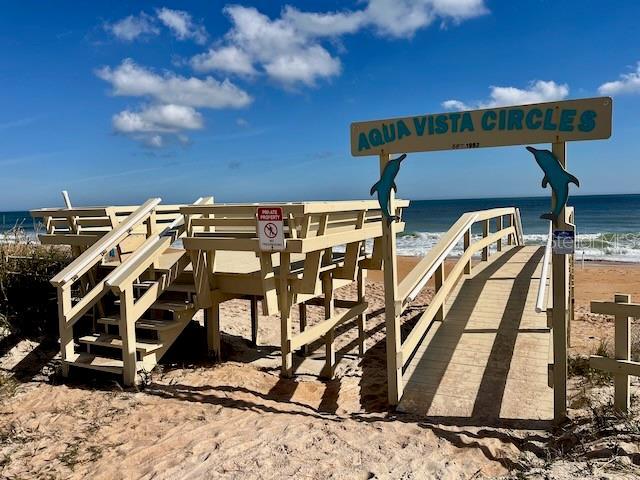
(487, 360)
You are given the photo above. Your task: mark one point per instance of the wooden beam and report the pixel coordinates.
(617, 367)
(362, 317)
(302, 309)
(329, 337)
(391, 301)
(560, 276)
(318, 330)
(128, 335)
(622, 352)
(254, 320)
(285, 316)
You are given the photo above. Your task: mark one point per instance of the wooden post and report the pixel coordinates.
(439, 280)
(302, 309)
(622, 352)
(362, 318)
(560, 285)
(509, 223)
(498, 228)
(330, 356)
(285, 315)
(66, 333)
(485, 234)
(212, 324)
(128, 336)
(467, 243)
(254, 320)
(392, 319)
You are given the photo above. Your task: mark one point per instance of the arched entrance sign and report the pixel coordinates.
(554, 122)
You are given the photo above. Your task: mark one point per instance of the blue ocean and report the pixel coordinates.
(608, 225)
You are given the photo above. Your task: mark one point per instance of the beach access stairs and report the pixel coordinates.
(126, 290)
(140, 274)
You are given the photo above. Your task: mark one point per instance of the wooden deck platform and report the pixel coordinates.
(487, 361)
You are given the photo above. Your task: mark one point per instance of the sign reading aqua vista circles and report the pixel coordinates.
(584, 119)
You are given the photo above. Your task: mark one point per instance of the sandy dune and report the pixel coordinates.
(239, 419)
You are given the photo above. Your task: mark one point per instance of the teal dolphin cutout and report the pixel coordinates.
(557, 177)
(385, 184)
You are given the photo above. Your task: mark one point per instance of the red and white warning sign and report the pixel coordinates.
(270, 228)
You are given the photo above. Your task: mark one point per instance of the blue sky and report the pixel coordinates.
(252, 101)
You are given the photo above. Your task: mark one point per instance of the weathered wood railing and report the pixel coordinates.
(621, 366)
(91, 288)
(507, 224)
(142, 261)
(542, 297)
(307, 268)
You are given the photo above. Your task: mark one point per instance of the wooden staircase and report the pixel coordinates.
(154, 332)
(121, 316)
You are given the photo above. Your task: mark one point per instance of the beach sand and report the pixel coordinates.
(239, 419)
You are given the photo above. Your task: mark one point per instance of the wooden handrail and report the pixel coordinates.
(541, 300)
(417, 278)
(411, 285)
(96, 251)
(146, 254)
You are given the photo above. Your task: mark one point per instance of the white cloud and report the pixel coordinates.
(304, 65)
(628, 83)
(242, 122)
(229, 59)
(174, 101)
(455, 105)
(289, 48)
(152, 124)
(402, 18)
(324, 24)
(158, 118)
(130, 79)
(132, 27)
(539, 91)
(182, 25)
(155, 141)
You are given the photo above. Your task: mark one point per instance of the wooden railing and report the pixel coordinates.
(92, 289)
(432, 265)
(542, 298)
(621, 366)
(308, 267)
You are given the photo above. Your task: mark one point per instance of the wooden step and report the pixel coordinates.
(181, 287)
(114, 341)
(95, 362)
(172, 305)
(143, 323)
(174, 287)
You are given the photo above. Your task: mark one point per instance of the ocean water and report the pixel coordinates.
(608, 226)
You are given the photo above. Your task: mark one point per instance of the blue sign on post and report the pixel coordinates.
(564, 242)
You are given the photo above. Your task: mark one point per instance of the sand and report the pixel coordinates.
(239, 419)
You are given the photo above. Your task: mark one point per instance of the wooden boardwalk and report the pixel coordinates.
(487, 361)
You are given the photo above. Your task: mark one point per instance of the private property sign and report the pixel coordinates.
(270, 228)
(583, 119)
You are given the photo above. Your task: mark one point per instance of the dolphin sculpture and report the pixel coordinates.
(385, 184)
(557, 177)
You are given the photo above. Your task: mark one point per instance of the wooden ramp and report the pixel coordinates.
(487, 361)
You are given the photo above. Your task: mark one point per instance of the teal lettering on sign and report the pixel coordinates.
(419, 124)
(587, 121)
(467, 123)
(403, 130)
(533, 120)
(553, 118)
(488, 120)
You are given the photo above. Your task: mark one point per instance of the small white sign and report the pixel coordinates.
(270, 228)
(564, 242)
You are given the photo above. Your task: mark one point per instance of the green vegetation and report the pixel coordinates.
(28, 305)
